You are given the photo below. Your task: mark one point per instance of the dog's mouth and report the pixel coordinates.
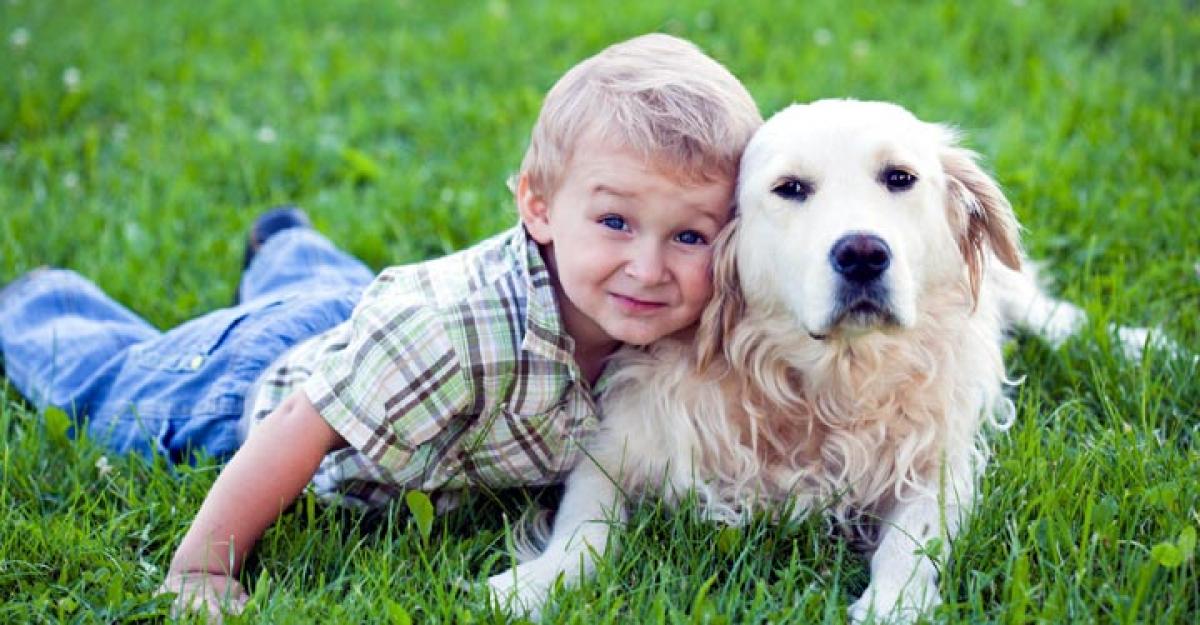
(860, 309)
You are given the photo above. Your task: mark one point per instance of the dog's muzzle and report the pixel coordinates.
(862, 298)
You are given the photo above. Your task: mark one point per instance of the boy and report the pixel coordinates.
(473, 369)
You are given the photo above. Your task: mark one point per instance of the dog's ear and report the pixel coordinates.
(979, 214)
(727, 305)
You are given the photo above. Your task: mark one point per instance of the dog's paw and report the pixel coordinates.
(898, 608)
(1134, 341)
(517, 594)
(1061, 322)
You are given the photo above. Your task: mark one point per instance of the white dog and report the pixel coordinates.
(848, 362)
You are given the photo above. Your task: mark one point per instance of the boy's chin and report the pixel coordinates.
(646, 336)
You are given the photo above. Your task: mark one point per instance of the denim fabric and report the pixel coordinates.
(138, 390)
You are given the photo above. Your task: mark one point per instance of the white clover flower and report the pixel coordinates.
(498, 9)
(822, 37)
(328, 141)
(19, 38)
(102, 466)
(71, 78)
(266, 134)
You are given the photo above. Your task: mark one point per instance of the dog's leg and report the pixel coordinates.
(903, 582)
(903, 572)
(590, 504)
(1024, 305)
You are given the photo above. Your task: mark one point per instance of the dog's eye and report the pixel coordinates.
(792, 189)
(898, 179)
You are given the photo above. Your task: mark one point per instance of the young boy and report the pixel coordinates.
(477, 369)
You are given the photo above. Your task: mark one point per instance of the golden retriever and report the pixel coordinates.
(849, 362)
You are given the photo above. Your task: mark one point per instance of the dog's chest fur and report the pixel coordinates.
(835, 423)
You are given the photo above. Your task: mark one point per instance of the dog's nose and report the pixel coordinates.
(860, 257)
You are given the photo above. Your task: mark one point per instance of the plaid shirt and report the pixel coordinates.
(450, 373)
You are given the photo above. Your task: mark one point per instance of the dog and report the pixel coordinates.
(850, 362)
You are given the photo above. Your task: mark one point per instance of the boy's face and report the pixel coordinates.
(629, 245)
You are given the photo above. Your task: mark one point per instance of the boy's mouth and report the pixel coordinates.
(635, 305)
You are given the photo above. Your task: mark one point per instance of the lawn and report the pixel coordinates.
(138, 140)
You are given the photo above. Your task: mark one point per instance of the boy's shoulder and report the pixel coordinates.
(491, 297)
(495, 268)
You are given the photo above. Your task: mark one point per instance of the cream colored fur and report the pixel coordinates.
(876, 421)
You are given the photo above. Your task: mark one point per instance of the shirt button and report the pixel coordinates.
(196, 362)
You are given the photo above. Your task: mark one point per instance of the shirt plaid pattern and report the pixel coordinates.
(450, 373)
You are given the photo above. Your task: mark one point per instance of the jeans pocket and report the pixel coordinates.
(188, 347)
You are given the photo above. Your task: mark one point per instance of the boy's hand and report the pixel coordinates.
(262, 479)
(210, 594)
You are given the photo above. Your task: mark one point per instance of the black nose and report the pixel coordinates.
(860, 257)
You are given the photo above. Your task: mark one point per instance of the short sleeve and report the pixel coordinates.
(391, 382)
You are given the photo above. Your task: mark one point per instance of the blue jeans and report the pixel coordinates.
(138, 390)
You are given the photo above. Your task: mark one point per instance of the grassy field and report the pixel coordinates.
(138, 140)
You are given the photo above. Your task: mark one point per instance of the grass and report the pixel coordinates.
(138, 140)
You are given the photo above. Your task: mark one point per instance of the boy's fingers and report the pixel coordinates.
(214, 595)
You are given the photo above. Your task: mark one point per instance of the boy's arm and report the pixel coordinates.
(262, 478)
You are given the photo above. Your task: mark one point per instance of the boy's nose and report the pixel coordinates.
(647, 265)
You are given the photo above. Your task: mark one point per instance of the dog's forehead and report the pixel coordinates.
(831, 128)
(844, 117)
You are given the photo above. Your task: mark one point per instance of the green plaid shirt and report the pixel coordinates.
(450, 373)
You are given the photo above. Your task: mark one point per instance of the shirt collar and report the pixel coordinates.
(544, 332)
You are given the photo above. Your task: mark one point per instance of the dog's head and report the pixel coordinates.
(848, 213)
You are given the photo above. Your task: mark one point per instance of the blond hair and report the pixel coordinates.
(657, 95)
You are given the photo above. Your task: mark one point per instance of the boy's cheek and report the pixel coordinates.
(700, 269)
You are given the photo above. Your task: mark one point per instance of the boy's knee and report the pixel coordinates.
(57, 276)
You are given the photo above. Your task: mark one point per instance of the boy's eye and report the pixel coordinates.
(613, 222)
(691, 237)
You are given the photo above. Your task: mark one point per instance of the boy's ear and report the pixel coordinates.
(535, 211)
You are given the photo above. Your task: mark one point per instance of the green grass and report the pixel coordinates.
(395, 125)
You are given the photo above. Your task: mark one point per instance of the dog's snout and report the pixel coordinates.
(860, 257)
